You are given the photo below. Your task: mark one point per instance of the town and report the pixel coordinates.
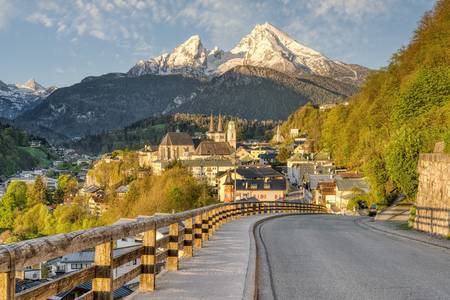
(224, 150)
(234, 171)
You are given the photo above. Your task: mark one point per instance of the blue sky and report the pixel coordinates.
(59, 42)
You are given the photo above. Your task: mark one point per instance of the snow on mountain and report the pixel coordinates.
(18, 98)
(265, 46)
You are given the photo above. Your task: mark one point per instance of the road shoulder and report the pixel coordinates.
(393, 229)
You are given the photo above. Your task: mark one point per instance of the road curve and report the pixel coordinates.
(330, 257)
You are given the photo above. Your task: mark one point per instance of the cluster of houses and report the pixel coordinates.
(317, 178)
(50, 174)
(29, 177)
(209, 159)
(236, 171)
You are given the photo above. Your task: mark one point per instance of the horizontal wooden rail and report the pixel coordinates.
(63, 283)
(200, 224)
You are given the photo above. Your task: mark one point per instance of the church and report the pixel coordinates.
(219, 135)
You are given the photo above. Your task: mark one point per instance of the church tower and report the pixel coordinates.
(228, 185)
(216, 135)
(211, 130)
(231, 134)
(278, 138)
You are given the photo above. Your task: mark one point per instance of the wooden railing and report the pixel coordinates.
(433, 220)
(199, 225)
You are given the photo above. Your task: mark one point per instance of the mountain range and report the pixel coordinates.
(266, 46)
(267, 75)
(15, 99)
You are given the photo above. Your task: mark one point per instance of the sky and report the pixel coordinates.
(59, 42)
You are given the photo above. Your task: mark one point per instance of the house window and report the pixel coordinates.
(76, 266)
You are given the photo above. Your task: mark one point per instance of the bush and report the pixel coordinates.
(412, 217)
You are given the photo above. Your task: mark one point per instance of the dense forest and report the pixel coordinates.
(402, 110)
(16, 153)
(152, 130)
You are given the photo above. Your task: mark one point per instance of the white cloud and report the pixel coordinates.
(98, 34)
(350, 9)
(40, 18)
(134, 23)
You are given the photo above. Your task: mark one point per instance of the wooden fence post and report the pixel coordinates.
(198, 231)
(172, 253)
(188, 238)
(102, 284)
(221, 216)
(148, 261)
(210, 230)
(205, 226)
(7, 285)
(214, 220)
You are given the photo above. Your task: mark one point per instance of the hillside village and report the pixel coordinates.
(233, 170)
(324, 179)
(284, 169)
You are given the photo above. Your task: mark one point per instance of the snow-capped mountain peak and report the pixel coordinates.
(18, 98)
(32, 85)
(265, 46)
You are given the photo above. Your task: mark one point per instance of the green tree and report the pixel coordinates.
(283, 155)
(67, 186)
(402, 155)
(14, 200)
(73, 217)
(39, 192)
(35, 222)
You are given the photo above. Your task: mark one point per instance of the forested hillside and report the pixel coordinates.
(16, 153)
(152, 130)
(402, 110)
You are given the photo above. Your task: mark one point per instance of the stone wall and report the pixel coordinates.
(433, 196)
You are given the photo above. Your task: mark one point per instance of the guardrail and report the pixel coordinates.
(199, 225)
(433, 220)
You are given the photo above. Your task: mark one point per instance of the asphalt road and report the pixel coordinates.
(330, 257)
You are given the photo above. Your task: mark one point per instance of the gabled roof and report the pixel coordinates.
(228, 180)
(91, 189)
(213, 148)
(327, 187)
(261, 185)
(348, 184)
(255, 172)
(297, 157)
(322, 156)
(177, 139)
(206, 163)
(315, 179)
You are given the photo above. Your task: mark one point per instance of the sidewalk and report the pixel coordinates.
(217, 271)
(393, 228)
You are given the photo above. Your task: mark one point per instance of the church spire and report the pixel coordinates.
(211, 124)
(219, 125)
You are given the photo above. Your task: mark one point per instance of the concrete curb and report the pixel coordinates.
(363, 222)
